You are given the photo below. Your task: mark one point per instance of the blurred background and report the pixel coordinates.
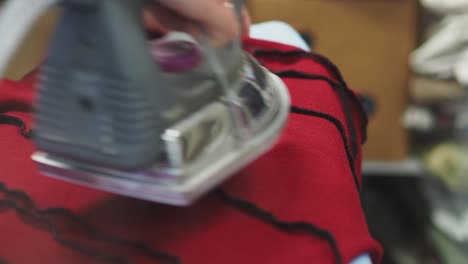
(409, 58)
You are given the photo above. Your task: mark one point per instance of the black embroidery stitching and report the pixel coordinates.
(343, 98)
(18, 122)
(45, 216)
(269, 218)
(15, 106)
(337, 123)
(51, 227)
(341, 129)
(332, 68)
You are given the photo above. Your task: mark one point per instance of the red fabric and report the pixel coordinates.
(306, 177)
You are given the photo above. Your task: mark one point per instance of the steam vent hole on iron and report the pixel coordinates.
(86, 105)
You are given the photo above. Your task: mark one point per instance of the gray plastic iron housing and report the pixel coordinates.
(103, 100)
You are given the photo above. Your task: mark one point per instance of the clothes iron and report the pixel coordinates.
(164, 121)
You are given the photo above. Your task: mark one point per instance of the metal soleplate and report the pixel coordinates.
(163, 189)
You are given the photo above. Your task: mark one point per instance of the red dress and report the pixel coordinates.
(299, 203)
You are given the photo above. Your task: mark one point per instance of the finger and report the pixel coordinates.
(152, 24)
(246, 22)
(161, 19)
(215, 16)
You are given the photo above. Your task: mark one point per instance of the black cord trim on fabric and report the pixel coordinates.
(342, 87)
(45, 216)
(15, 106)
(341, 129)
(332, 68)
(111, 239)
(57, 236)
(304, 54)
(343, 98)
(101, 236)
(94, 231)
(18, 122)
(289, 227)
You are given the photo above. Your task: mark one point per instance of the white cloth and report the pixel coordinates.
(446, 6)
(445, 54)
(280, 32)
(441, 53)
